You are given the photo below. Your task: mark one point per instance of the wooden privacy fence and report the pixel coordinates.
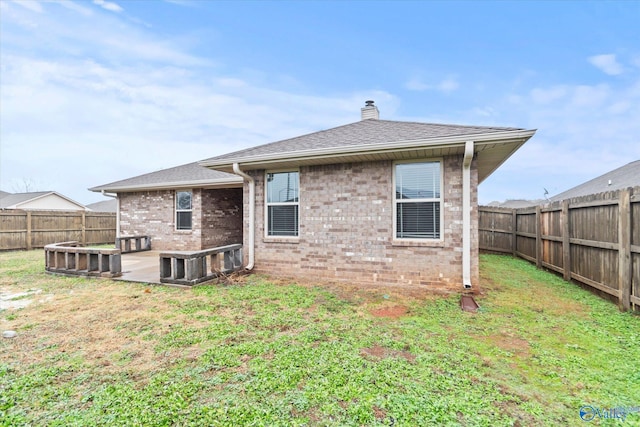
(36, 229)
(594, 240)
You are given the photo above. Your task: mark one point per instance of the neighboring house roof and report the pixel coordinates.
(110, 205)
(184, 176)
(42, 200)
(517, 203)
(4, 194)
(623, 177)
(373, 139)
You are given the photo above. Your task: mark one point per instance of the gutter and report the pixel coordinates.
(115, 196)
(466, 214)
(252, 216)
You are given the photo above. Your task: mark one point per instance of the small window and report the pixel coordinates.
(418, 200)
(183, 210)
(282, 203)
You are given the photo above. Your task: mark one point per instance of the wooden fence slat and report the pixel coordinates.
(566, 242)
(29, 229)
(624, 251)
(538, 237)
(514, 235)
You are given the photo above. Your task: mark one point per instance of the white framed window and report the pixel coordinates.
(184, 210)
(417, 204)
(282, 206)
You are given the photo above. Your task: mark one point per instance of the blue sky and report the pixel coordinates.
(96, 91)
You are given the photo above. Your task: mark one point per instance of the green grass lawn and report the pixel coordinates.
(259, 352)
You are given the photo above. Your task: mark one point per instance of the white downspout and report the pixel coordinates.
(252, 215)
(466, 214)
(115, 196)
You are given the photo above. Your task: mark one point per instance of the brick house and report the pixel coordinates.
(374, 201)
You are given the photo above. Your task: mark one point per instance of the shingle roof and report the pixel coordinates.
(110, 205)
(361, 133)
(358, 137)
(14, 199)
(179, 176)
(517, 203)
(623, 177)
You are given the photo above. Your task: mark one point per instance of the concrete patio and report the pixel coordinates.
(141, 267)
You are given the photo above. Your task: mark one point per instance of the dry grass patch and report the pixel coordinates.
(110, 326)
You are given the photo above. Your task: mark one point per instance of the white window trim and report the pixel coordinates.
(268, 237)
(426, 241)
(176, 210)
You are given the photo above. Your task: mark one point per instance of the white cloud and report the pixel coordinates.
(69, 4)
(607, 64)
(447, 85)
(548, 95)
(32, 5)
(181, 2)
(585, 96)
(416, 84)
(113, 7)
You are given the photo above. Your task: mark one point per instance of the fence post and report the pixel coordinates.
(29, 227)
(514, 232)
(566, 242)
(624, 250)
(84, 228)
(538, 236)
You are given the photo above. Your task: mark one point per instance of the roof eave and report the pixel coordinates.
(218, 183)
(336, 153)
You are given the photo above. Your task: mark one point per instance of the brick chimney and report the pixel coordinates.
(370, 111)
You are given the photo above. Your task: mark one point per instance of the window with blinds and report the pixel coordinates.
(183, 210)
(282, 203)
(418, 200)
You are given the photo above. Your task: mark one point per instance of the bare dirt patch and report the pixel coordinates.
(379, 413)
(392, 312)
(509, 342)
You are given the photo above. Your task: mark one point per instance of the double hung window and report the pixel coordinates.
(282, 203)
(183, 210)
(418, 200)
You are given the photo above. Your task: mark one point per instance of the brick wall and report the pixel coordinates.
(346, 229)
(216, 220)
(221, 217)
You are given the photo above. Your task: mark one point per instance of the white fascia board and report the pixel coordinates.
(333, 152)
(219, 183)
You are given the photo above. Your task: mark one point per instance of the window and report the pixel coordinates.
(418, 200)
(183, 210)
(282, 203)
